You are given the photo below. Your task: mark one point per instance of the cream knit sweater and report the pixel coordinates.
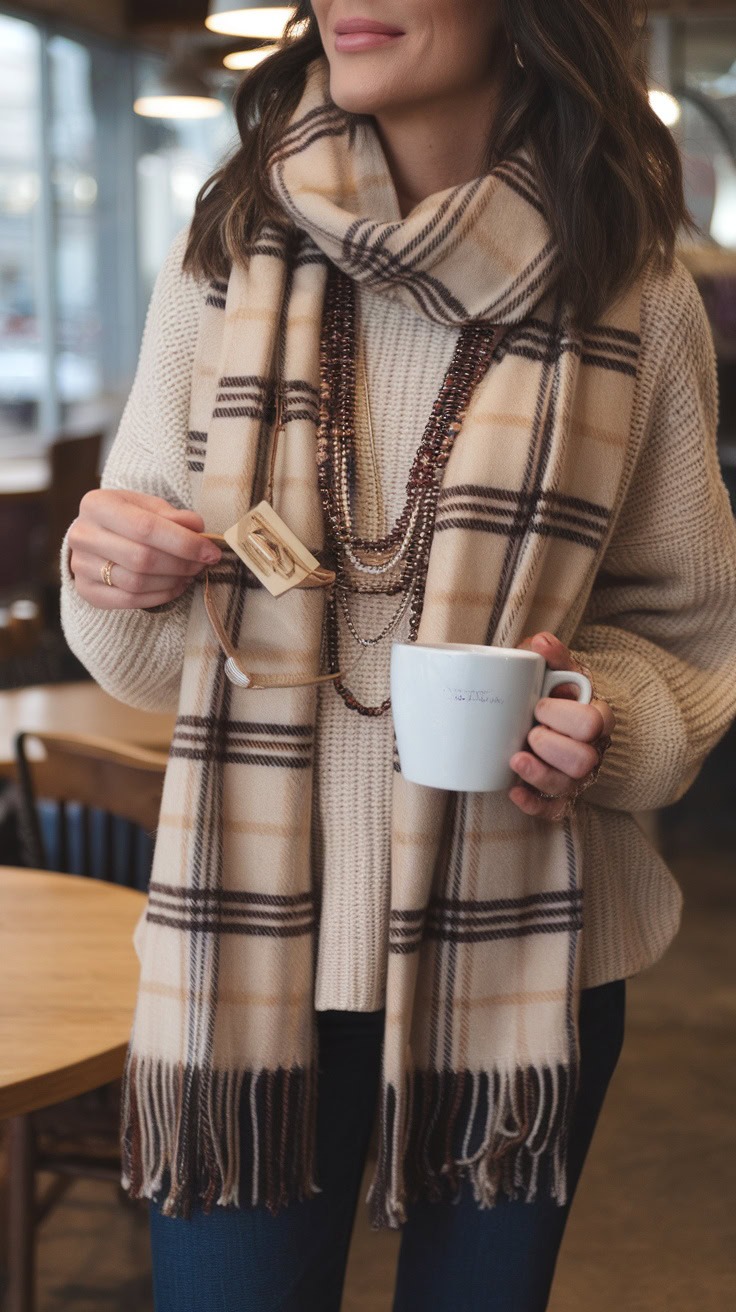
(631, 914)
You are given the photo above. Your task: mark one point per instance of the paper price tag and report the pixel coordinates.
(273, 552)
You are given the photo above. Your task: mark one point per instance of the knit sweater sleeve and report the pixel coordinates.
(137, 655)
(659, 630)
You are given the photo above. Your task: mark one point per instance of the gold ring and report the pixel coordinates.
(106, 571)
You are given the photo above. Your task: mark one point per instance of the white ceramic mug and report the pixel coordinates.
(461, 710)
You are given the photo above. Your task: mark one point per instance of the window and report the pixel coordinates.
(22, 365)
(90, 199)
(696, 60)
(709, 122)
(75, 196)
(175, 157)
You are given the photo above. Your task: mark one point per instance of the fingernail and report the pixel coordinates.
(211, 557)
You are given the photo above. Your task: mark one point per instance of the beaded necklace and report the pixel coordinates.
(400, 558)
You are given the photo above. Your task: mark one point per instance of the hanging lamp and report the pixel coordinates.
(177, 90)
(248, 18)
(244, 59)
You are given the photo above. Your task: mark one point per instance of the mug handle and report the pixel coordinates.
(553, 677)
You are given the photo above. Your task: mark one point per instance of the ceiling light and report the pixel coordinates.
(248, 18)
(177, 107)
(240, 59)
(177, 91)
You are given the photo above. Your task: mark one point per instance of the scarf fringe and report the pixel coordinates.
(507, 1132)
(190, 1135)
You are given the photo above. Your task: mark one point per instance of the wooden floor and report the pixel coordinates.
(653, 1224)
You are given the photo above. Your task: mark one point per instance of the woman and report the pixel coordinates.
(429, 314)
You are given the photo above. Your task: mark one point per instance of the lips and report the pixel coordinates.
(346, 26)
(355, 34)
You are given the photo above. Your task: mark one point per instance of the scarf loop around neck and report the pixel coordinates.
(480, 1059)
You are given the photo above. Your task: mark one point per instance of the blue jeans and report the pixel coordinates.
(452, 1255)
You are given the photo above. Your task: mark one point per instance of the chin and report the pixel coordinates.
(370, 92)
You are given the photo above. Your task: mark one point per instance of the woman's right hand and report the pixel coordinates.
(156, 549)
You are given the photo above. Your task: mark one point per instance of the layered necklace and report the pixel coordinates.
(395, 564)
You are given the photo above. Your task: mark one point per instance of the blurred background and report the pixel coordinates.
(112, 114)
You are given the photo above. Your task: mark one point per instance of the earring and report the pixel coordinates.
(519, 59)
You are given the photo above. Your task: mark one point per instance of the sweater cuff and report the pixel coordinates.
(614, 772)
(643, 767)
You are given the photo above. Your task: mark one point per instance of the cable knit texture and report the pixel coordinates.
(658, 632)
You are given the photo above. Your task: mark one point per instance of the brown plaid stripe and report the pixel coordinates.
(518, 174)
(324, 120)
(217, 294)
(270, 241)
(242, 742)
(196, 450)
(249, 396)
(467, 920)
(263, 914)
(232, 573)
(309, 254)
(370, 261)
(515, 513)
(607, 347)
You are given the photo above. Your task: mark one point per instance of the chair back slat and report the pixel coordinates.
(131, 849)
(108, 841)
(115, 778)
(63, 830)
(86, 828)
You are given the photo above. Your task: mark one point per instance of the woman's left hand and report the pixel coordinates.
(563, 756)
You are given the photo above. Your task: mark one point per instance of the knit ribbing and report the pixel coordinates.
(631, 912)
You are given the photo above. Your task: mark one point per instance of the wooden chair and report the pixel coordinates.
(75, 465)
(77, 1138)
(40, 497)
(121, 780)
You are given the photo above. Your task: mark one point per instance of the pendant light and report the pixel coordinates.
(248, 18)
(178, 90)
(244, 59)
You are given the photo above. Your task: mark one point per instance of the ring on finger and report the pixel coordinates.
(106, 572)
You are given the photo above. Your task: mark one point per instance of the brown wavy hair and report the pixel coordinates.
(608, 168)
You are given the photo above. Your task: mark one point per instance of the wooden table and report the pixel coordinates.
(68, 980)
(76, 708)
(68, 977)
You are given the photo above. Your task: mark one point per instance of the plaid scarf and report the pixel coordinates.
(480, 1058)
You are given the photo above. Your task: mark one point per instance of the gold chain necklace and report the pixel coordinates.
(379, 505)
